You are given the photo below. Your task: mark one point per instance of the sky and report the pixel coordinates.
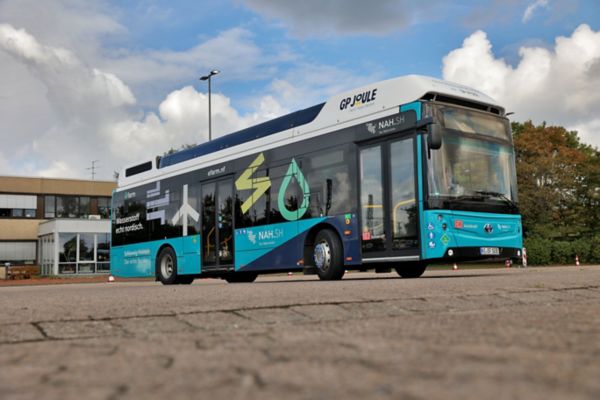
(117, 81)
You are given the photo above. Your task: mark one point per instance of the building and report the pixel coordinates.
(61, 225)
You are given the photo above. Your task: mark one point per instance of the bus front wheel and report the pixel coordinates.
(410, 270)
(166, 266)
(328, 256)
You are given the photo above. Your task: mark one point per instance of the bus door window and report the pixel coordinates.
(209, 238)
(225, 222)
(404, 206)
(371, 200)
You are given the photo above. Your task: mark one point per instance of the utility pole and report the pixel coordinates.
(93, 168)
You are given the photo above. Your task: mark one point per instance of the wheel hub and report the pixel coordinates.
(166, 266)
(322, 256)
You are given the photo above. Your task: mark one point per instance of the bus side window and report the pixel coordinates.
(329, 169)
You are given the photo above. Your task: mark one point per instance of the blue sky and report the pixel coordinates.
(416, 46)
(117, 80)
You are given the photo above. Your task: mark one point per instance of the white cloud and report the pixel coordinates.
(560, 85)
(70, 96)
(315, 17)
(528, 14)
(97, 115)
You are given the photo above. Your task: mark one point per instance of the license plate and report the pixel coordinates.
(489, 251)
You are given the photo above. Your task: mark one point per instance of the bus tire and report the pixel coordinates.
(241, 277)
(166, 266)
(410, 270)
(328, 256)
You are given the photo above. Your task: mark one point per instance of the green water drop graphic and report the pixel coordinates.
(293, 172)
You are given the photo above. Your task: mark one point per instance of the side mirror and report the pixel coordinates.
(434, 140)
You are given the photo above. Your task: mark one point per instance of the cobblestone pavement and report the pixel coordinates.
(502, 334)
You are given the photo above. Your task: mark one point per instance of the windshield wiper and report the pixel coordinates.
(499, 195)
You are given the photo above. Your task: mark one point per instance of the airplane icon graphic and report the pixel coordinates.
(185, 211)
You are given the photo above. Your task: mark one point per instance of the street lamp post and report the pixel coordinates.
(207, 78)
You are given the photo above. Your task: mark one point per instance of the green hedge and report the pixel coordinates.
(541, 251)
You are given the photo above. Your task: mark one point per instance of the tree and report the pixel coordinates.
(559, 181)
(173, 150)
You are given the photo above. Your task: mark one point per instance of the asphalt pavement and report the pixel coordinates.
(469, 334)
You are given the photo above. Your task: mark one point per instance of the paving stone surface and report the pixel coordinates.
(502, 334)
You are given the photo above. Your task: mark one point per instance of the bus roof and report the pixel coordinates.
(354, 105)
(267, 128)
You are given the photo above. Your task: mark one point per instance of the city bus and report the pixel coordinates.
(399, 174)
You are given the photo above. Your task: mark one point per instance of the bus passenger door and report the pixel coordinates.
(217, 225)
(388, 201)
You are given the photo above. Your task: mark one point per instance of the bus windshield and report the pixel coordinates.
(469, 171)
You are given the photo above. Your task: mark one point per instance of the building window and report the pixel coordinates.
(67, 253)
(49, 207)
(86, 247)
(104, 207)
(18, 252)
(103, 252)
(67, 207)
(67, 248)
(46, 258)
(73, 207)
(17, 205)
(17, 213)
(84, 207)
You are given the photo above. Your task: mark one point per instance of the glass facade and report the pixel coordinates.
(46, 254)
(78, 253)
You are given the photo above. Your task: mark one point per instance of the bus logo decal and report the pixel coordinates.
(246, 182)
(358, 100)
(293, 171)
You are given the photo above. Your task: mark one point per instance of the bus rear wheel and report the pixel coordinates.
(328, 256)
(166, 266)
(241, 277)
(410, 270)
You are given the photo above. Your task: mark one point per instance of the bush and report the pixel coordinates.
(595, 250)
(539, 251)
(542, 251)
(562, 252)
(582, 248)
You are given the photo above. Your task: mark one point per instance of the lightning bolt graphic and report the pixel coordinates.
(246, 182)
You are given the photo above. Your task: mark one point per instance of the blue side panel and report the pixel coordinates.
(286, 256)
(415, 106)
(191, 256)
(254, 243)
(280, 124)
(349, 230)
(507, 231)
(138, 260)
(281, 246)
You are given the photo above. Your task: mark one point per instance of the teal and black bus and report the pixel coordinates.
(401, 174)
